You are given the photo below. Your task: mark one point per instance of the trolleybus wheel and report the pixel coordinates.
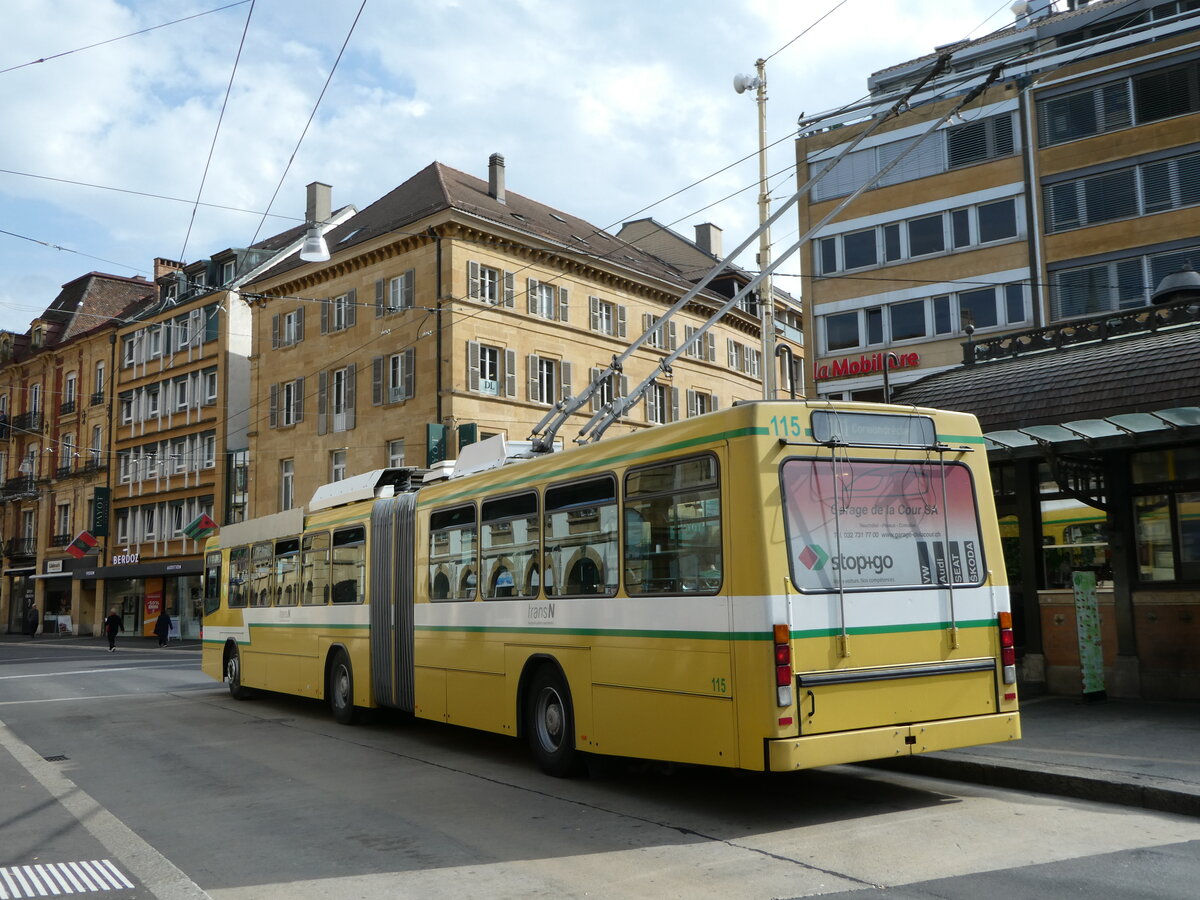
(233, 675)
(341, 689)
(550, 724)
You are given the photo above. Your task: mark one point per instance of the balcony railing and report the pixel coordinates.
(66, 407)
(64, 471)
(61, 540)
(21, 486)
(21, 548)
(30, 421)
(97, 398)
(93, 465)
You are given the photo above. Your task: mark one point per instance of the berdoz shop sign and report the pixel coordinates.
(866, 364)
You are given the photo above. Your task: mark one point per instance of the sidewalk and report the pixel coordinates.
(99, 642)
(1128, 752)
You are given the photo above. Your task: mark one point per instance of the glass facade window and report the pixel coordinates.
(926, 236)
(858, 249)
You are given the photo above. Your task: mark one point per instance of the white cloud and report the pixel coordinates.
(599, 109)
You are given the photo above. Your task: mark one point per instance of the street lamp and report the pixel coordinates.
(766, 294)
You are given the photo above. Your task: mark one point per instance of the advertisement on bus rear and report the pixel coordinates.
(878, 525)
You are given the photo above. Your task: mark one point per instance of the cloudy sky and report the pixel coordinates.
(602, 109)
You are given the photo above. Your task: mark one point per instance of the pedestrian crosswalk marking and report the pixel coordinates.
(56, 879)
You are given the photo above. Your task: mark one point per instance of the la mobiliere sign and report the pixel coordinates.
(866, 364)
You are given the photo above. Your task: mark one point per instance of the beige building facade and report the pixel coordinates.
(452, 310)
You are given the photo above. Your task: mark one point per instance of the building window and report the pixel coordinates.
(488, 289)
(98, 385)
(209, 449)
(210, 388)
(859, 250)
(1116, 285)
(401, 291)
(339, 318)
(663, 334)
(292, 328)
(393, 378)
(700, 402)
(97, 445)
(340, 398)
(337, 465)
(62, 519)
(287, 483)
(228, 270)
(152, 408)
(397, 373)
(291, 406)
(606, 317)
(926, 236)
(662, 404)
(976, 142)
(547, 302)
(549, 379)
(70, 390)
(395, 453)
(489, 370)
(491, 286)
(1084, 113)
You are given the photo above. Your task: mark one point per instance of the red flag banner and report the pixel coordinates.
(83, 544)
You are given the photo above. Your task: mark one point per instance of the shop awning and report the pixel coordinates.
(1122, 430)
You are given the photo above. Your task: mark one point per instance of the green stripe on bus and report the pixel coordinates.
(893, 629)
(605, 462)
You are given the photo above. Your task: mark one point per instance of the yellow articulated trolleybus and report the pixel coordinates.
(774, 586)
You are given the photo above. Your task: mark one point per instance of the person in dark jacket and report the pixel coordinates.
(162, 628)
(32, 618)
(112, 625)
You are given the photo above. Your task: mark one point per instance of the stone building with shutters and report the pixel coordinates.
(453, 309)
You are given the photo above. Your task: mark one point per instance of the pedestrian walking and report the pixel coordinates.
(31, 619)
(162, 628)
(112, 625)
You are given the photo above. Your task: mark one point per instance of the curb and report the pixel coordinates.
(1051, 780)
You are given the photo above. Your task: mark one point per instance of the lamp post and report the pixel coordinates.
(766, 294)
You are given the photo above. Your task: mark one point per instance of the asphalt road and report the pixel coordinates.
(139, 759)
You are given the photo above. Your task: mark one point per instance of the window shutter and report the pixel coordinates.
(322, 402)
(671, 331)
(729, 346)
(691, 402)
(274, 406)
(299, 413)
(299, 324)
(712, 347)
(531, 370)
(563, 305)
(377, 381)
(473, 280)
(410, 288)
(275, 332)
(410, 372)
(674, 405)
(350, 370)
(716, 404)
(380, 299)
(564, 371)
(472, 365)
(652, 403)
(510, 373)
(531, 289)
(647, 322)
(623, 391)
(510, 289)
(593, 374)
(351, 307)
(620, 321)
(325, 316)
(594, 313)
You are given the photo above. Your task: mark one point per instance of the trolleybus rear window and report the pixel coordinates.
(871, 524)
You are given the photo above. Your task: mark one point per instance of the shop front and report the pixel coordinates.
(20, 598)
(142, 592)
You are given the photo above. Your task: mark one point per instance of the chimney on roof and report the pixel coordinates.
(162, 266)
(496, 177)
(320, 206)
(708, 238)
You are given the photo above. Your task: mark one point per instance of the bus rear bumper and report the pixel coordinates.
(894, 741)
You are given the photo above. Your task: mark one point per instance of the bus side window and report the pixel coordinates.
(287, 572)
(314, 570)
(509, 546)
(349, 565)
(581, 524)
(239, 573)
(673, 528)
(260, 574)
(452, 564)
(212, 582)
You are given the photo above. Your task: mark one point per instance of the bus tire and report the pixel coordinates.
(233, 675)
(340, 689)
(550, 724)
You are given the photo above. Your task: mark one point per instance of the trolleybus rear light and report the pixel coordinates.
(1008, 650)
(783, 665)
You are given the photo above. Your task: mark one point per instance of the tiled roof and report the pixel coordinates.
(437, 187)
(1133, 374)
(96, 299)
